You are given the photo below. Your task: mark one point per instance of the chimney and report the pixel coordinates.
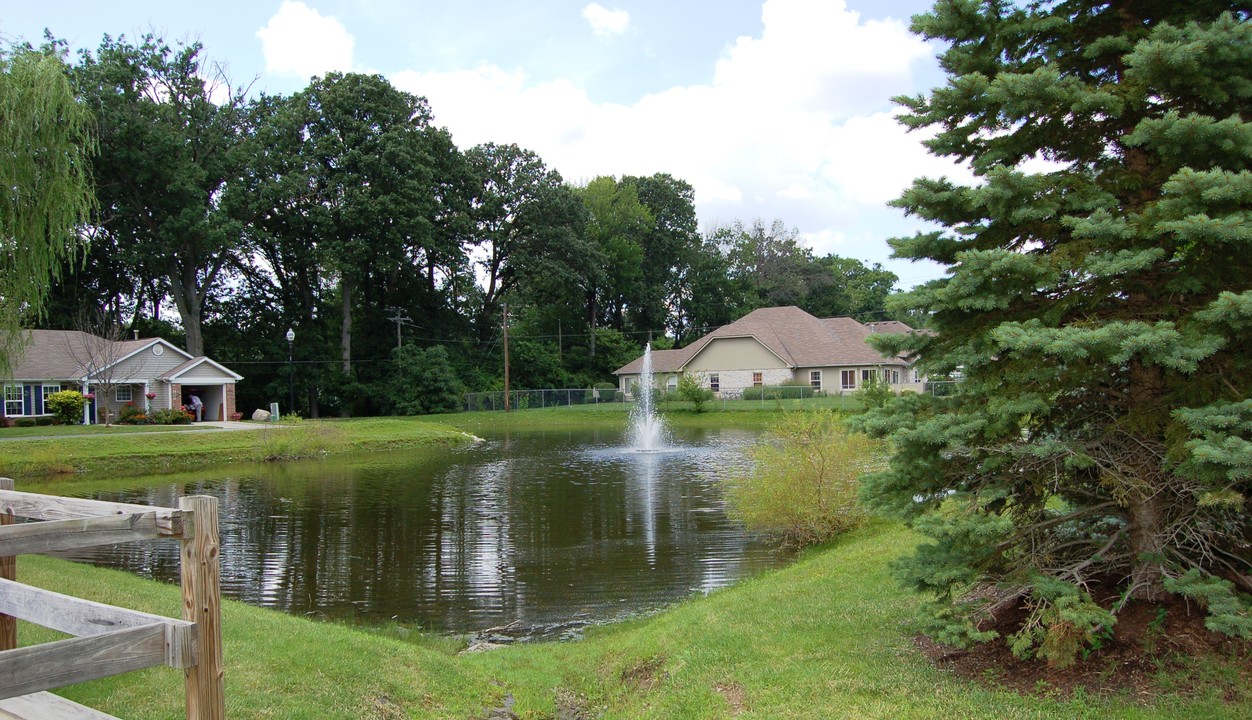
(136, 331)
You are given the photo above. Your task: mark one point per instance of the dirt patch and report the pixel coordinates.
(571, 706)
(644, 674)
(1148, 642)
(384, 708)
(734, 695)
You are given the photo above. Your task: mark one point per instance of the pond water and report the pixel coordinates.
(544, 531)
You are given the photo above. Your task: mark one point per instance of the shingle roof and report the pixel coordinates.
(59, 354)
(796, 337)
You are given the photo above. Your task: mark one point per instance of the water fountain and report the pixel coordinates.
(647, 431)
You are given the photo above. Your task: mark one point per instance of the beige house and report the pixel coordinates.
(115, 373)
(773, 346)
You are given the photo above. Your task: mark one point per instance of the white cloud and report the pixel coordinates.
(795, 124)
(604, 22)
(302, 42)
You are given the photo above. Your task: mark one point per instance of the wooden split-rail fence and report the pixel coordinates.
(107, 640)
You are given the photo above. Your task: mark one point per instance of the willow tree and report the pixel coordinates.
(45, 149)
(1097, 306)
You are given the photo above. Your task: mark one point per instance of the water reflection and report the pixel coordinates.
(538, 528)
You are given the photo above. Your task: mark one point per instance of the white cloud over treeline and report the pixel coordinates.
(794, 122)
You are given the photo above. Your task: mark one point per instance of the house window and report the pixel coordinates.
(757, 379)
(715, 384)
(122, 393)
(672, 383)
(49, 389)
(895, 377)
(13, 400)
(847, 379)
(917, 375)
(815, 379)
(868, 375)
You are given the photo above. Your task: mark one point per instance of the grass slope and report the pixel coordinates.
(825, 637)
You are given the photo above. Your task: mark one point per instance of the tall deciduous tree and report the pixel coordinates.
(46, 144)
(1098, 308)
(345, 186)
(770, 264)
(167, 136)
(846, 286)
(670, 245)
(616, 225)
(521, 215)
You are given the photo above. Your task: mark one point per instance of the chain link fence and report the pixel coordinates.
(782, 397)
(553, 397)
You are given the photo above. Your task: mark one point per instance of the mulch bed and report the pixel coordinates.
(1144, 646)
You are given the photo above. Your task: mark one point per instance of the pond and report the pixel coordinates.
(540, 531)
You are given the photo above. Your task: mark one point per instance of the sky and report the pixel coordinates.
(771, 109)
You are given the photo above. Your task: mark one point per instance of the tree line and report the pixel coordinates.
(345, 213)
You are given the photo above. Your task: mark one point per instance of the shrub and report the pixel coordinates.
(874, 392)
(131, 415)
(172, 416)
(24, 422)
(66, 406)
(804, 483)
(786, 391)
(691, 390)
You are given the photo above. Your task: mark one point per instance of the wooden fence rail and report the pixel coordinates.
(107, 640)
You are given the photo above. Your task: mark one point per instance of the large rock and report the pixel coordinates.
(261, 415)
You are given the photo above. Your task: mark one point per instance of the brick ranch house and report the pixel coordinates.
(56, 360)
(772, 346)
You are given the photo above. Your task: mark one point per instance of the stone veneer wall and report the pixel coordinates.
(736, 381)
(230, 401)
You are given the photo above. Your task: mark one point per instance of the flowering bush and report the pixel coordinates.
(150, 395)
(131, 415)
(236, 416)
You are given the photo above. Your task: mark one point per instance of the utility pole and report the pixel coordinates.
(399, 317)
(506, 357)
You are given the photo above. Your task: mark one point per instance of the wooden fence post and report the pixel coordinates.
(201, 579)
(8, 571)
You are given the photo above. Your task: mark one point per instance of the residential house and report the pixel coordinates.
(773, 346)
(115, 373)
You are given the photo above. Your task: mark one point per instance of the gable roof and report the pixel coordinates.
(60, 354)
(174, 374)
(796, 337)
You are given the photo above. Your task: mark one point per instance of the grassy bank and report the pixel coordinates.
(152, 452)
(615, 415)
(825, 637)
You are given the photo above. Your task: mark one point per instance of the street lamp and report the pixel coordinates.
(291, 384)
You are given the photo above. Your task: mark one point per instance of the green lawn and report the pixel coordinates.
(823, 638)
(11, 433)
